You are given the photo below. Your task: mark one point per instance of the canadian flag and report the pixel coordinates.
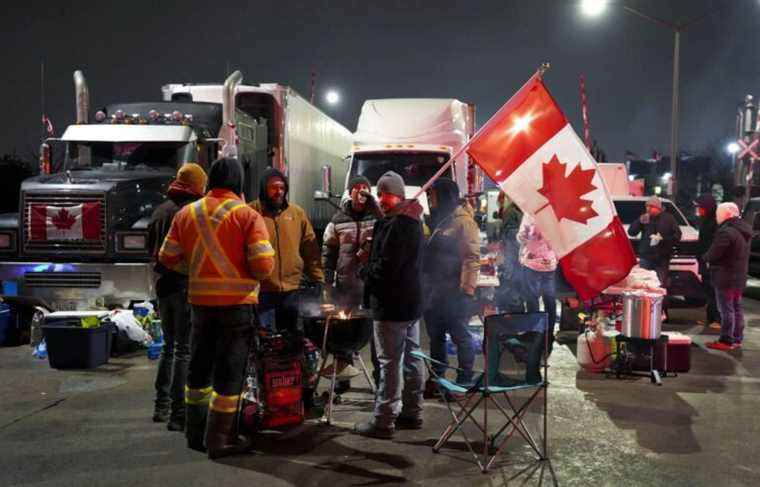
(530, 150)
(79, 222)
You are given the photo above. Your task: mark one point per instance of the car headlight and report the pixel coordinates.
(7, 241)
(133, 242)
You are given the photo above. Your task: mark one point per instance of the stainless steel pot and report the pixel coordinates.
(642, 315)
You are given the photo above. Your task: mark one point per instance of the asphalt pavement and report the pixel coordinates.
(93, 428)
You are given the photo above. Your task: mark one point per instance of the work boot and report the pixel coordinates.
(160, 415)
(370, 429)
(221, 437)
(195, 426)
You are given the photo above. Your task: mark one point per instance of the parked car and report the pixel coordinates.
(685, 286)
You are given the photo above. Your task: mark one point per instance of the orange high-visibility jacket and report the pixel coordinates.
(223, 245)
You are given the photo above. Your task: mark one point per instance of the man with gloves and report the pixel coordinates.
(393, 288)
(343, 253)
(728, 261)
(450, 270)
(296, 252)
(659, 235)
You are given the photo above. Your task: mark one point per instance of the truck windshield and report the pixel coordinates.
(126, 156)
(630, 210)
(415, 167)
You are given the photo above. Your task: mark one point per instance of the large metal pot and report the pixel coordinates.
(642, 315)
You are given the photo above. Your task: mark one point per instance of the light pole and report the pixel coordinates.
(594, 8)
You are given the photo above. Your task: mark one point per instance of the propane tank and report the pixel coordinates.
(593, 352)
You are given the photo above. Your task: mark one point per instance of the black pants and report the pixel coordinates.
(220, 340)
(279, 311)
(175, 356)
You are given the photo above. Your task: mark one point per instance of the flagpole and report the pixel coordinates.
(538, 75)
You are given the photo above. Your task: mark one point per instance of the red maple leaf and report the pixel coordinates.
(565, 193)
(63, 220)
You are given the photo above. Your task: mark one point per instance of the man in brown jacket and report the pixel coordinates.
(450, 273)
(296, 252)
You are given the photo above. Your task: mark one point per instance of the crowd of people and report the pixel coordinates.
(226, 267)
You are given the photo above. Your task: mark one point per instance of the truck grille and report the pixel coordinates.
(62, 279)
(31, 246)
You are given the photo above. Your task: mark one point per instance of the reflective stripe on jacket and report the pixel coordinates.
(223, 245)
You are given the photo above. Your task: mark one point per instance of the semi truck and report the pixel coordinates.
(414, 137)
(79, 239)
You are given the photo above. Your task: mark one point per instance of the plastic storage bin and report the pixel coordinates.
(77, 348)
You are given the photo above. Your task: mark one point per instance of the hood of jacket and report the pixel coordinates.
(411, 208)
(739, 225)
(447, 194)
(226, 173)
(265, 177)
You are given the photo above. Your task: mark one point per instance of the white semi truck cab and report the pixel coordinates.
(414, 137)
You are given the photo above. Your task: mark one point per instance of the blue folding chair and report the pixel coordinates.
(526, 337)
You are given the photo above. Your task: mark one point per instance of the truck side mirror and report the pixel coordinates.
(327, 179)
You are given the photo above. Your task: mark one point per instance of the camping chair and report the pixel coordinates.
(526, 337)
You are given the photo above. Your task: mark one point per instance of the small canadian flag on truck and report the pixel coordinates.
(78, 222)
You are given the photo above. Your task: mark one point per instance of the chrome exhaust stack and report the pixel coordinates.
(81, 97)
(228, 131)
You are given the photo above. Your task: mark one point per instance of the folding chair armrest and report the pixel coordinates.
(422, 356)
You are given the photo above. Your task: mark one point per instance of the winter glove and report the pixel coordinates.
(655, 239)
(644, 218)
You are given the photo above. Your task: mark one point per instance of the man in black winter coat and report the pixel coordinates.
(706, 207)
(728, 261)
(659, 234)
(394, 290)
(171, 290)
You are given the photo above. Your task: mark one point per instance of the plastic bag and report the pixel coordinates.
(126, 321)
(40, 351)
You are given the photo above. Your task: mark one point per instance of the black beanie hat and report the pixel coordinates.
(358, 180)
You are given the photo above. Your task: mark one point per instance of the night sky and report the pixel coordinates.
(478, 51)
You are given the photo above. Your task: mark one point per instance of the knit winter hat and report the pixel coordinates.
(391, 183)
(654, 201)
(194, 176)
(726, 211)
(358, 180)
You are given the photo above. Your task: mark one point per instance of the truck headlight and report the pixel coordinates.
(133, 242)
(7, 241)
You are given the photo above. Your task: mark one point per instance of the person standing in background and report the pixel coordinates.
(728, 261)
(708, 225)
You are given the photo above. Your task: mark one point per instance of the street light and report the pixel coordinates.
(732, 148)
(332, 97)
(593, 8)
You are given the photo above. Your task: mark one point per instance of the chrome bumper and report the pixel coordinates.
(79, 286)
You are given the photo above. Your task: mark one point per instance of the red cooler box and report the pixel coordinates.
(678, 357)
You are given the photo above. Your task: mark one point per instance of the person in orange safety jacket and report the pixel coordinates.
(223, 246)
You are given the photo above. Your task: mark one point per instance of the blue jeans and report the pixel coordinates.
(450, 313)
(395, 341)
(175, 355)
(279, 311)
(541, 285)
(731, 314)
